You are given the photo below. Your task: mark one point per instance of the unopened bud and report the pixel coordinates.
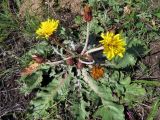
(79, 65)
(87, 13)
(70, 61)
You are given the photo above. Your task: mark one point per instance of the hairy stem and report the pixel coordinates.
(87, 39)
(57, 62)
(87, 63)
(94, 50)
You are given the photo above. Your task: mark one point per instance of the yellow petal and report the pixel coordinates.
(113, 45)
(120, 54)
(47, 28)
(102, 35)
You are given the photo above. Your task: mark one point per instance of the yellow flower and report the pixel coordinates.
(113, 45)
(47, 28)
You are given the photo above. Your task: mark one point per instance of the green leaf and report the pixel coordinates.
(43, 49)
(134, 93)
(79, 110)
(31, 82)
(157, 14)
(63, 91)
(110, 111)
(127, 60)
(125, 81)
(148, 82)
(46, 96)
(92, 2)
(101, 90)
(78, 20)
(136, 47)
(95, 27)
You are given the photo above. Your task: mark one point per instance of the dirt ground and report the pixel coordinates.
(11, 99)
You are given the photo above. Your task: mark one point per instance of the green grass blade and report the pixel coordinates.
(154, 110)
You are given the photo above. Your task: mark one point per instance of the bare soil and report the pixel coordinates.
(11, 99)
(153, 60)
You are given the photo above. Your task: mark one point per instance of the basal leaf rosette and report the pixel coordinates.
(114, 45)
(47, 28)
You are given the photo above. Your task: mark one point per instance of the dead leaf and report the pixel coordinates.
(153, 22)
(127, 10)
(97, 72)
(38, 58)
(30, 69)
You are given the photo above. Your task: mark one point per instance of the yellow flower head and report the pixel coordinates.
(47, 28)
(113, 45)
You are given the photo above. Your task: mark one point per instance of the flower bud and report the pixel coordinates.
(70, 61)
(87, 13)
(79, 65)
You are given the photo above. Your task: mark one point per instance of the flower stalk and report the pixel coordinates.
(94, 50)
(87, 39)
(57, 62)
